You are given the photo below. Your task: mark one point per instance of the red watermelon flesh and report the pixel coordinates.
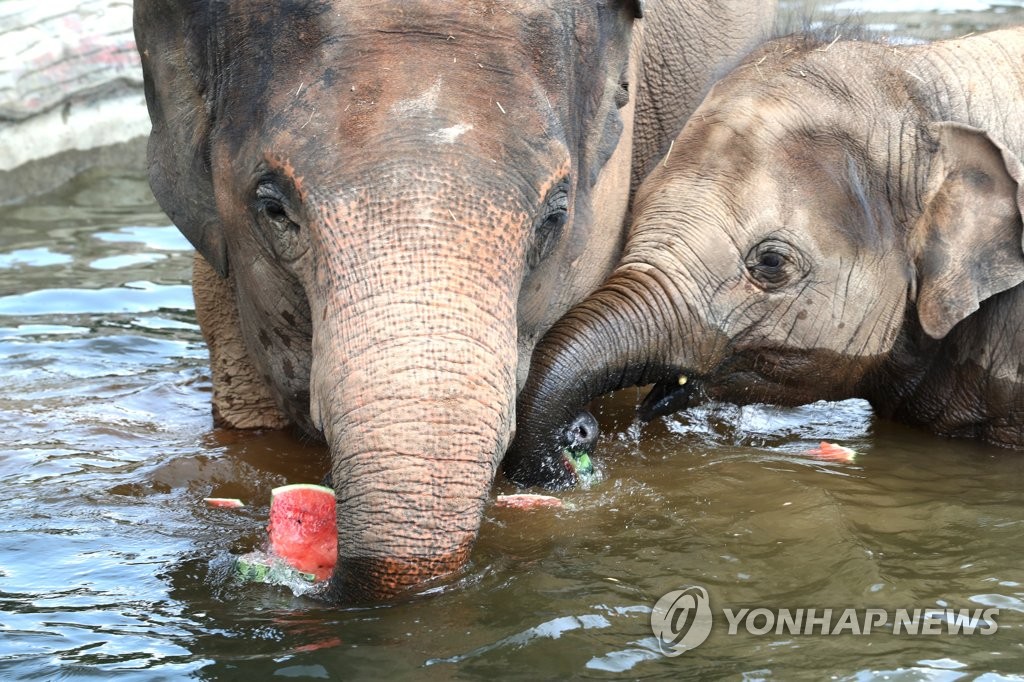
(527, 501)
(303, 528)
(833, 453)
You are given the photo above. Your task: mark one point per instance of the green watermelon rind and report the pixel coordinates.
(312, 487)
(249, 571)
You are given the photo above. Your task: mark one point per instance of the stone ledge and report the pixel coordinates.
(77, 125)
(70, 82)
(43, 175)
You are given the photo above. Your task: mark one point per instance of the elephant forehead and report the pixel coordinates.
(403, 58)
(811, 178)
(361, 115)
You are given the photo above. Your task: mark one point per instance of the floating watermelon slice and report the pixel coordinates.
(527, 501)
(833, 453)
(229, 502)
(303, 528)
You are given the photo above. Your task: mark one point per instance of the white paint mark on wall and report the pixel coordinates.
(449, 135)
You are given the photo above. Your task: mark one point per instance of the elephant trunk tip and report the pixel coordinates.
(609, 341)
(582, 432)
(367, 580)
(556, 456)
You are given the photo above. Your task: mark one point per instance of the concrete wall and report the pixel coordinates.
(70, 91)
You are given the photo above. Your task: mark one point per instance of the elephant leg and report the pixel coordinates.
(241, 396)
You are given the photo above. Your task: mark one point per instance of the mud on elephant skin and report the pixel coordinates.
(832, 223)
(392, 201)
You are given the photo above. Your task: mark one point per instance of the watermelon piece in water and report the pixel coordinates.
(833, 453)
(527, 501)
(303, 528)
(228, 502)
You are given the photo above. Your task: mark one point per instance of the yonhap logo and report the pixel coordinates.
(682, 620)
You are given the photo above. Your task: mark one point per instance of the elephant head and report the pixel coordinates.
(807, 238)
(401, 192)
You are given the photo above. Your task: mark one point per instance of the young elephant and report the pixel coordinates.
(836, 220)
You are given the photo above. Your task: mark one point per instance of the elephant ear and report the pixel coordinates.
(173, 39)
(967, 244)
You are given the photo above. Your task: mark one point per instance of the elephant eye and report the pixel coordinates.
(270, 204)
(548, 228)
(772, 263)
(280, 231)
(274, 209)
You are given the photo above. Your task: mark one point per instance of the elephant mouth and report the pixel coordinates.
(744, 388)
(780, 378)
(785, 377)
(671, 394)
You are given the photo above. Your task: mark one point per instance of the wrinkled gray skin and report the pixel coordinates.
(834, 221)
(392, 201)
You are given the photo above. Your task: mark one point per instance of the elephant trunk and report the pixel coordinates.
(414, 390)
(611, 340)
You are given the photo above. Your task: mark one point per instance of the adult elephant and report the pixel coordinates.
(391, 202)
(819, 236)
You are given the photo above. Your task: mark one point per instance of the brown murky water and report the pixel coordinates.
(110, 565)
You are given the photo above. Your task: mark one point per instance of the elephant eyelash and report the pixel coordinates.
(267, 189)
